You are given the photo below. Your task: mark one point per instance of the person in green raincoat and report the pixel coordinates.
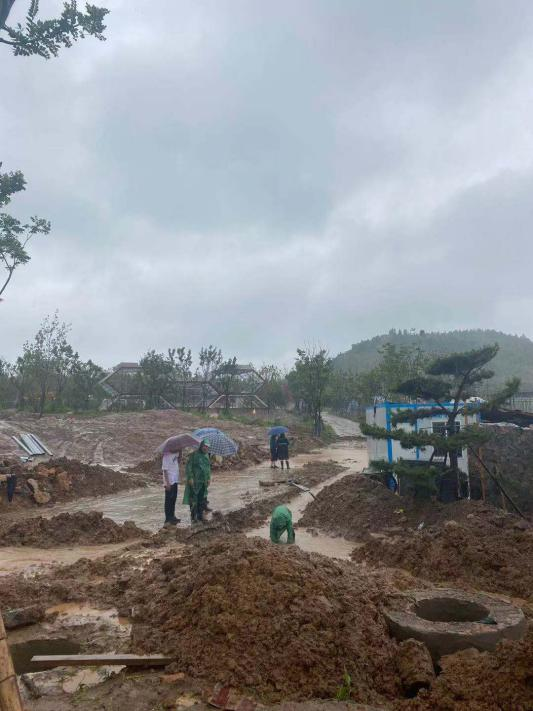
(280, 522)
(198, 476)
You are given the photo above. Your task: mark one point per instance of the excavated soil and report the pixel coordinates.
(482, 681)
(67, 529)
(466, 543)
(269, 620)
(357, 506)
(483, 553)
(64, 480)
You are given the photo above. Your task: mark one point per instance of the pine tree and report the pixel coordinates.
(445, 385)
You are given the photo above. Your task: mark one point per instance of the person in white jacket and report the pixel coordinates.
(171, 476)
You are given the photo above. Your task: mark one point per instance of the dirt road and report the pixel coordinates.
(229, 490)
(342, 426)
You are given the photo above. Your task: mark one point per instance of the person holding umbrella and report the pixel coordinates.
(283, 450)
(273, 451)
(198, 475)
(170, 464)
(171, 451)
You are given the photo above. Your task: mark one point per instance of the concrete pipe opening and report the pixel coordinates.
(448, 620)
(450, 609)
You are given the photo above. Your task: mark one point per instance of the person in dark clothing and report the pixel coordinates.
(283, 450)
(273, 451)
(11, 486)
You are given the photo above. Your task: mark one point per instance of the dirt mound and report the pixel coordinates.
(509, 452)
(487, 552)
(488, 681)
(271, 620)
(66, 479)
(65, 529)
(357, 506)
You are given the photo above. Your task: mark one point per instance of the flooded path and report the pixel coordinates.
(345, 453)
(228, 491)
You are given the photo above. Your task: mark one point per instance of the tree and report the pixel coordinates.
(226, 378)
(210, 358)
(83, 387)
(46, 37)
(157, 377)
(309, 380)
(182, 363)
(15, 235)
(43, 38)
(45, 358)
(397, 364)
(445, 385)
(272, 390)
(343, 392)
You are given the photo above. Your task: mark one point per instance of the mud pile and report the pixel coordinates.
(65, 529)
(490, 551)
(357, 506)
(273, 621)
(488, 681)
(66, 479)
(509, 452)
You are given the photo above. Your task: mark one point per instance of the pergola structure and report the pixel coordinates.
(123, 386)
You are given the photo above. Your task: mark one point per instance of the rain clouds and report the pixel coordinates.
(258, 175)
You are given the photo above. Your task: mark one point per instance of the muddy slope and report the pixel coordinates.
(479, 554)
(67, 529)
(271, 620)
(65, 480)
(356, 506)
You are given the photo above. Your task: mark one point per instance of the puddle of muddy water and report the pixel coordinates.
(71, 614)
(313, 542)
(22, 652)
(227, 491)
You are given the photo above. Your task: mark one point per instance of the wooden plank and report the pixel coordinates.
(49, 661)
(9, 692)
(6, 665)
(9, 695)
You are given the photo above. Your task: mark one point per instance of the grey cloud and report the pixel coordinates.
(260, 174)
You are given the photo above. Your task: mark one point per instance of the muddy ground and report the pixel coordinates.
(467, 542)
(127, 438)
(277, 623)
(59, 480)
(67, 529)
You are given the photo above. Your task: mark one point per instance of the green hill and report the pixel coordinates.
(514, 358)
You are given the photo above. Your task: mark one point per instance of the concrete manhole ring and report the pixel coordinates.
(449, 620)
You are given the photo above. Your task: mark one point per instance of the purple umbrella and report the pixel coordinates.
(178, 442)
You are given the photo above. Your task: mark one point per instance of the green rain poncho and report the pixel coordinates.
(281, 521)
(199, 470)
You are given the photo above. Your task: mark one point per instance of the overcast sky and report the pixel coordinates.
(258, 175)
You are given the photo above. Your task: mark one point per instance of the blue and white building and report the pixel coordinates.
(391, 450)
